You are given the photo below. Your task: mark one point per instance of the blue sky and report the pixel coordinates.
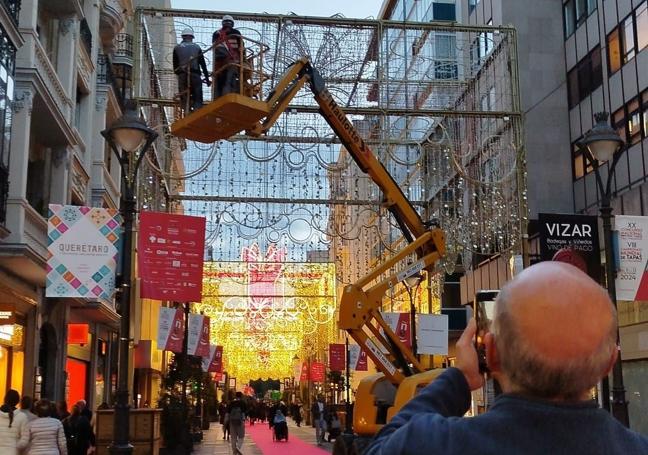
(349, 8)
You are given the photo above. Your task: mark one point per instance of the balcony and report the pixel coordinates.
(118, 76)
(86, 36)
(111, 21)
(4, 192)
(13, 8)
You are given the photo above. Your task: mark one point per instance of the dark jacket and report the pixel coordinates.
(78, 434)
(432, 423)
(315, 411)
(188, 55)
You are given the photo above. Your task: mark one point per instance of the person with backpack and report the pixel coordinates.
(236, 411)
(78, 432)
(12, 423)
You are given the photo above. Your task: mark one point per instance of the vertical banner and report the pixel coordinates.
(573, 239)
(632, 278)
(317, 370)
(170, 329)
(198, 340)
(337, 357)
(357, 358)
(432, 334)
(82, 251)
(304, 376)
(400, 324)
(213, 362)
(170, 256)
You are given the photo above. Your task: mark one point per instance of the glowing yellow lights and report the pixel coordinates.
(264, 311)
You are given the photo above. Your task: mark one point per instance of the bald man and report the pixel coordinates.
(553, 338)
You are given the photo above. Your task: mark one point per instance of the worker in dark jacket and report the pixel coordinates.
(188, 61)
(553, 338)
(228, 57)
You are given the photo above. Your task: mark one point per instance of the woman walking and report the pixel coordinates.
(12, 423)
(44, 435)
(78, 432)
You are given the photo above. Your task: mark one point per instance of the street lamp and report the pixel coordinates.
(411, 283)
(600, 144)
(125, 137)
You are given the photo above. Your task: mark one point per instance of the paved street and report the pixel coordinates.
(213, 443)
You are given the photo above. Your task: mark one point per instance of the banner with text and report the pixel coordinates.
(304, 372)
(337, 357)
(213, 363)
(573, 239)
(198, 338)
(357, 358)
(432, 334)
(170, 256)
(400, 324)
(82, 251)
(632, 278)
(170, 329)
(317, 371)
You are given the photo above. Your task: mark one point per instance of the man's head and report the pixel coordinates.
(81, 404)
(228, 21)
(239, 394)
(187, 34)
(553, 333)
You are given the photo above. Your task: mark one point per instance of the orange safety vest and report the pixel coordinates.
(232, 43)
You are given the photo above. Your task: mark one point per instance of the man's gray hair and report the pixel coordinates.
(532, 374)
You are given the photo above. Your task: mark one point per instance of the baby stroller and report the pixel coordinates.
(280, 431)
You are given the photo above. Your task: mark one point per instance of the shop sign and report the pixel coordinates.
(78, 334)
(337, 357)
(7, 317)
(170, 256)
(170, 329)
(573, 239)
(632, 277)
(82, 251)
(357, 358)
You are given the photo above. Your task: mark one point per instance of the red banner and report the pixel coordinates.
(357, 358)
(362, 364)
(218, 377)
(198, 340)
(337, 357)
(170, 256)
(170, 329)
(304, 372)
(218, 360)
(317, 370)
(400, 325)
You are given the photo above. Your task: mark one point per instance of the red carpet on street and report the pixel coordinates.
(262, 437)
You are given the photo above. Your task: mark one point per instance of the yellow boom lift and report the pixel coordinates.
(379, 396)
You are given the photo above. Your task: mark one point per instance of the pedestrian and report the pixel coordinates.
(223, 418)
(553, 337)
(85, 411)
(227, 44)
(26, 404)
(188, 61)
(12, 423)
(59, 410)
(78, 432)
(44, 435)
(318, 413)
(334, 427)
(296, 412)
(236, 411)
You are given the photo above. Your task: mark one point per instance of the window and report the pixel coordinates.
(472, 4)
(641, 15)
(569, 18)
(585, 77)
(631, 120)
(581, 165)
(618, 123)
(629, 38)
(634, 121)
(644, 110)
(7, 67)
(444, 11)
(576, 12)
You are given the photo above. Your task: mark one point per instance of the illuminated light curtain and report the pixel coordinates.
(265, 311)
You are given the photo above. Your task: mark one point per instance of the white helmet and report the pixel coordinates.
(228, 18)
(188, 32)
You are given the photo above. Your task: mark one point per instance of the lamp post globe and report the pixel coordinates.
(602, 141)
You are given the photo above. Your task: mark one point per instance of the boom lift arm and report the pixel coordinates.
(361, 302)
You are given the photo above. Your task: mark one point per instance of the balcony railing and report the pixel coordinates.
(4, 192)
(106, 74)
(86, 35)
(13, 8)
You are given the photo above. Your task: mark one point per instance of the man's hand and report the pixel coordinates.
(467, 356)
(207, 82)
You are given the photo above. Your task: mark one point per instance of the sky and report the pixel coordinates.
(349, 8)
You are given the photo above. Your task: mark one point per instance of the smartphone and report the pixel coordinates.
(484, 311)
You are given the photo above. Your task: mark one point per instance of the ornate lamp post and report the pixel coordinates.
(600, 144)
(129, 137)
(411, 284)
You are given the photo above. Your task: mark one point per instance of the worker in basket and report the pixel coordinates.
(188, 60)
(228, 54)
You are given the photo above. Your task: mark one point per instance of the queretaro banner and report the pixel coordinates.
(170, 329)
(198, 338)
(632, 277)
(82, 251)
(357, 358)
(573, 239)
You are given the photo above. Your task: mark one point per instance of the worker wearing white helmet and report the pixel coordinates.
(228, 55)
(188, 61)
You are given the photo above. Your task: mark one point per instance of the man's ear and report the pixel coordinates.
(492, 356)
